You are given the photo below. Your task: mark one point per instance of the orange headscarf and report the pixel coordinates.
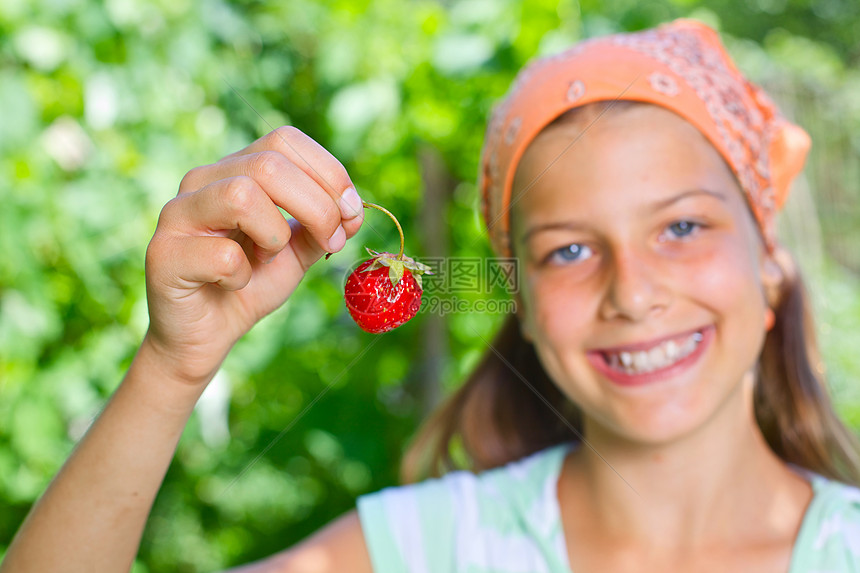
(681, 66)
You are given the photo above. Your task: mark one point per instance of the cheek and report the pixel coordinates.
(726, 281)
(557, 311)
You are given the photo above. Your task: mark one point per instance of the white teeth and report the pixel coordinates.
(657, 357)
(660, 356)
(690, 344)
(626, 359)
(671, 350)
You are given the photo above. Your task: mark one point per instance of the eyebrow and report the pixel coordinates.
(659, 205)
(653, 208)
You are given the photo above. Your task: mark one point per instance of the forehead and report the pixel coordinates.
(638, 154)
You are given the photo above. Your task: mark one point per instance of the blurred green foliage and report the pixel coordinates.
(105, 105)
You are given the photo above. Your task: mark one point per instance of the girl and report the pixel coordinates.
(656, 404)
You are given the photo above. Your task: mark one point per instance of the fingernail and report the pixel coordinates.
(337, 239)
(350, 204)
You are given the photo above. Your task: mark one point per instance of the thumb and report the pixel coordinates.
(306, 249)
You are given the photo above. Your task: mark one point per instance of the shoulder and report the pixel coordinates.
(503, 513)
(830, 535)
(838, 514)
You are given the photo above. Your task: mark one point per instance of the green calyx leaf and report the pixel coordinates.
(397, 266)
(395, 271)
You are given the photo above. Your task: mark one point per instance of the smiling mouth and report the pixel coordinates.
(658, 357)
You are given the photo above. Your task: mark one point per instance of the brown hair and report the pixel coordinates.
(509, 407)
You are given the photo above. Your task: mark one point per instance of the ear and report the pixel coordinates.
(772, 278)
(769, 319)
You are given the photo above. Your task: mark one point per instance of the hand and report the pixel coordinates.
(223, 256)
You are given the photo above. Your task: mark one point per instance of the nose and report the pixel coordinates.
(635, 287)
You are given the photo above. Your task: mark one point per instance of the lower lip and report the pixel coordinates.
(624, 379)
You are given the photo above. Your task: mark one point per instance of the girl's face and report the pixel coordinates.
(642, 269)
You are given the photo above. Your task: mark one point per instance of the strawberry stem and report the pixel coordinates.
(393, 218)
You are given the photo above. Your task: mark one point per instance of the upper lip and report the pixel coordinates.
(647, 344)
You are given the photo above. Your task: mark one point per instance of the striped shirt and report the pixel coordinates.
(507, 520)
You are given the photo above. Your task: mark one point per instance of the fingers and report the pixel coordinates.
(299, 176)
(233, 203)
(193, 261)
(316, 162)
(291, 189)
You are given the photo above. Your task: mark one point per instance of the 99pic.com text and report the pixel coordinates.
(455, 305)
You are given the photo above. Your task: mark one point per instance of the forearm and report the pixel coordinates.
(92, 516)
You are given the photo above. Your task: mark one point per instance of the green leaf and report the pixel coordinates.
(395, 272)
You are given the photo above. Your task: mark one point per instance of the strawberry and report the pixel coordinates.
(385, 291)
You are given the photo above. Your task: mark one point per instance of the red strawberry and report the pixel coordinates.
(384, 292)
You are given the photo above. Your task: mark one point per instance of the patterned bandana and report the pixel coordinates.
(681, 66)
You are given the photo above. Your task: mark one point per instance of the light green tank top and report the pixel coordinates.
(507, 520)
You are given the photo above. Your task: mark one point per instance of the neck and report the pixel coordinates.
(716, 486)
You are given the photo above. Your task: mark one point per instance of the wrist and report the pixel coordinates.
(165, 366)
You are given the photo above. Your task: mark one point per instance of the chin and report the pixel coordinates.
(663, 422)
(642, 431)
(656, 433)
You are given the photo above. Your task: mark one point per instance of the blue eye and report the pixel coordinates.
(683, 228)
(569, 254)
